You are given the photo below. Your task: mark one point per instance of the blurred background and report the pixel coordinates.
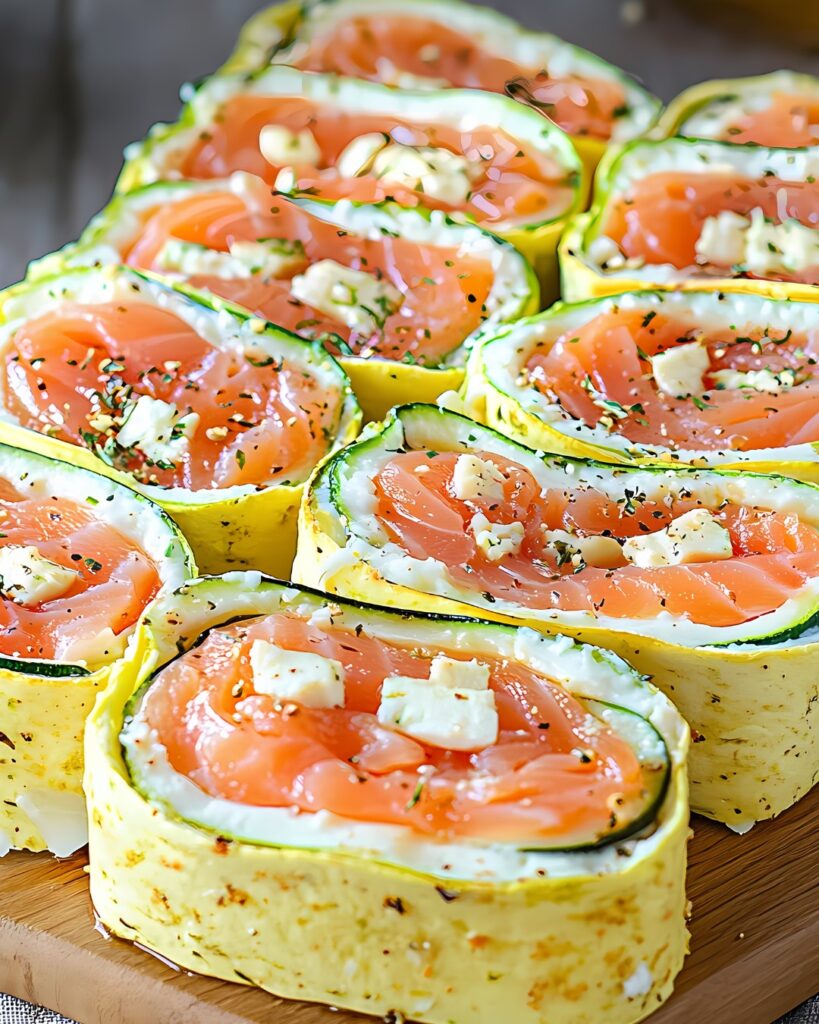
(81, 78)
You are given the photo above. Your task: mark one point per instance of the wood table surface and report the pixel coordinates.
(754, 946)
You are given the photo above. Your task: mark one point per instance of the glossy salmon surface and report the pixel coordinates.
(509, 180)
(554, 771)
(601, 374)
(395, 48)
(76, 372)
(443, 289)
(113, 578)
(660, 219)
(773, 553)
(789, 120)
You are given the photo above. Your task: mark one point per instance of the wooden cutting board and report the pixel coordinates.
(754, 948)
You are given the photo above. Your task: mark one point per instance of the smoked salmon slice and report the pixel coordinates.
(320, 136)
(689, 377)
(779, 109)
(236, 240)
(699, 214)
(436, 45)
(534, 765)
(165, 389)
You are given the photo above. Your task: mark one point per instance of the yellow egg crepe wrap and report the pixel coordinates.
(747, 690)
(325, 913)
(45, 702)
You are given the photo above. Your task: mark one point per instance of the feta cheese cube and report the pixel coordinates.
(436, 172)
(459, 675)
(357, 156)
(756, 244)
(280, 146)
(300, 676)
(605, 252)
(157, 430)
(601, 552)
(695, 536)
(28, 578)
(476, 479)
(678, 371)
(356, 298)
(496, 540)
(271, 257)
(722, 239)
(453, 709)
(756, 380)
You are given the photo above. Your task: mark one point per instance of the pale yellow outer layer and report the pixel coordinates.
(248, 55)
(254, 531)
(754, 712)
(380, 384)
(503, 413)
(323, 925)
(41, 726)
(581, 281)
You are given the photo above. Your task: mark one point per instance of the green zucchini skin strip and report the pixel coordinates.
(428, 626)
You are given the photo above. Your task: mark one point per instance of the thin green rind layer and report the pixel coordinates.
(373, 439)
(642, 734)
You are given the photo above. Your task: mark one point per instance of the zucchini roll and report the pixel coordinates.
(780, 109)
(80, 559)
(703, 378)
(399, 296)
(219, 417)
(680, 213)
(479, 157)
(390, 812)
(706, 580)
(434, 45)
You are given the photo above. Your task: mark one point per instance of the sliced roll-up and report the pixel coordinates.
(217, 416)
(476, 156)
(399, 296)
(81, 557)
(709, 379)
(778, 109)
(479, 796)
(706, 580)
(683, 213)
(433, 45)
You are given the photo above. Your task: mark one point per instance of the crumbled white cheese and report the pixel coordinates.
(309, 679)
(757, 380)
(280, 146)
(496, 540)
(272, 257)
(756, 244)
(476, 479)
(605, 252)
(722, 239)
(156, 429)
(695, 536)
(28, 578)
(436, 172)
(602, 552)
(357, 156)
(360, 300)
(678, 371)
(453, 709)
(285, 180)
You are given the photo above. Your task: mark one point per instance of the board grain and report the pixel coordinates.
(754, 948)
